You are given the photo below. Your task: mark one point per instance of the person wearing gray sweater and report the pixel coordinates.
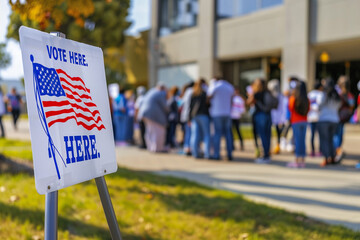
(153, 111)
(328, 120)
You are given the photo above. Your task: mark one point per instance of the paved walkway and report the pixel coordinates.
(330, 194)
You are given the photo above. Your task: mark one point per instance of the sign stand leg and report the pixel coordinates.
(51, 215)
(108, 208)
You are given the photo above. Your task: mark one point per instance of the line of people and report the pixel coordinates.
(209, 111)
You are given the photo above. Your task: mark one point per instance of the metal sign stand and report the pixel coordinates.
(51, 215)
(51, 204)
(108, 208)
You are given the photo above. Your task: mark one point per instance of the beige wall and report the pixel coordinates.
(249, 35)
(179, 47)
(333, 20)
(208, 67)
(153, 42)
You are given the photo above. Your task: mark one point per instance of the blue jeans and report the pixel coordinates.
(313, 128)
(120, 122)
(327, 131)
(338, 138)
(170, 133)
(129, 128)
(299, 130)
(222, 128)
(187, 136)
(263, 128)
(200, 128)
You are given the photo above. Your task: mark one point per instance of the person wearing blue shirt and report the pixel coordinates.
(120, 111)
(14, 102)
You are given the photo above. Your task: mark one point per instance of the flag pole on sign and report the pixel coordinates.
(42, 117)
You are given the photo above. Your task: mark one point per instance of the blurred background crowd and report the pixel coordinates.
(155, 50)
(195, 118)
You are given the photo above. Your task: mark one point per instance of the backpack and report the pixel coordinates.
(271, 102)
(345, 111)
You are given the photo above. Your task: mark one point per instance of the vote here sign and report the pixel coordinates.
(68, 107)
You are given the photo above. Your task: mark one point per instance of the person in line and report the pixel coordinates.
(2, 112)
(285, 143)
(262, 117)
(14, 102)
(237, 110)
(184, 117)
(220, 95)
(154, 113)
(129, 119)
(252, 109)
(278, 115)
(313, 115)
(140, 91)
(328, 120)
(199, 120)
(345, 113)
(356, 115)
(172, 117)
(120, 112)
(299, 107)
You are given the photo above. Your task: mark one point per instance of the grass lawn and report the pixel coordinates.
(152, 207)
(247, 132)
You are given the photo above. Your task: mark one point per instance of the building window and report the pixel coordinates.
(270, 3)
(235, 8)
(175, 15)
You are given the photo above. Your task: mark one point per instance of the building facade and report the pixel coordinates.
(245, 39)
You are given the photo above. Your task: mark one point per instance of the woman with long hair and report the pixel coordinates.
(345, 113)
(262, 117)
(185, 97)
(299, 107)
(199, 120)
(328, 120)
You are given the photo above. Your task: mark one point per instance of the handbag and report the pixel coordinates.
(345, 113)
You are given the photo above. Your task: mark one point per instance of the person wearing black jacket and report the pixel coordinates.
(199, 120)
(172, 117)
(262, 117)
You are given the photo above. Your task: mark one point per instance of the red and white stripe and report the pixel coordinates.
(77, 105)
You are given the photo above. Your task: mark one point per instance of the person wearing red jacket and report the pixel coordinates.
(299, 107)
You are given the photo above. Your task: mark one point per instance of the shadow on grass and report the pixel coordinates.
(229, 207)
(13, 166)
(75, 227)
(316, 166)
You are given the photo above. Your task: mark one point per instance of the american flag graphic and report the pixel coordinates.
(66, 98)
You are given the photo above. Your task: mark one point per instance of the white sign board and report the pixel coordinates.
(68, 107)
